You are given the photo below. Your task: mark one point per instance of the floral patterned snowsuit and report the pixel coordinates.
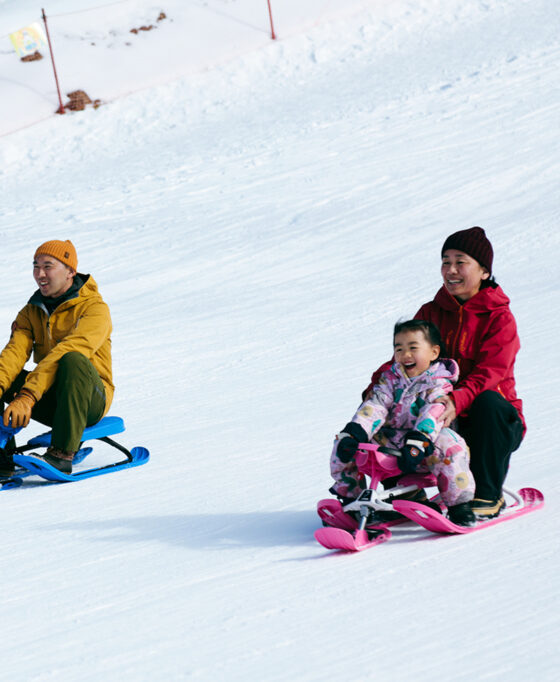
(400, 404)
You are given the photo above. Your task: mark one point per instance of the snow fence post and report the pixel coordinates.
(272, 34)
(60, 109)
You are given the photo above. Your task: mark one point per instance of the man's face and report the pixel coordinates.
(53, 277)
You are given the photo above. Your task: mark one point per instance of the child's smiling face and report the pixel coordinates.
(414, 352)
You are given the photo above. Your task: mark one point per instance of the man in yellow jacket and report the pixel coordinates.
(67, 326)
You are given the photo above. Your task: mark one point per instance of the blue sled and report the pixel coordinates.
(102, 431)
(16, 479)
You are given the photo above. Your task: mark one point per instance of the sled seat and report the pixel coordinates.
(370, 455)
(108, 426)
(380, 463)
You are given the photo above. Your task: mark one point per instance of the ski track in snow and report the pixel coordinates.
(257, 229)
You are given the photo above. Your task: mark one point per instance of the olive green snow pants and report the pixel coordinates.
(74, 401)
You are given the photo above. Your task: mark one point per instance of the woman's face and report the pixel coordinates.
(462, 275)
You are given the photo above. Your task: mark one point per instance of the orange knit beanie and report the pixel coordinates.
(62, 251)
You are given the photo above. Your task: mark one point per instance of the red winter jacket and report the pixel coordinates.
(481, 335)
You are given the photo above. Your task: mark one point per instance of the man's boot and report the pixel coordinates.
(59, 459)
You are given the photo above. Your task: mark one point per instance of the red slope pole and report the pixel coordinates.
(272, 34)
(60, 109)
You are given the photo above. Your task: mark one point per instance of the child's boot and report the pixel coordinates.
(461, 514)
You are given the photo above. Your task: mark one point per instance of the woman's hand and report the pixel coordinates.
(450, 412)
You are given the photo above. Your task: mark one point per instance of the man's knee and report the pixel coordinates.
(76, 374)
(73, 367)
(72, 359)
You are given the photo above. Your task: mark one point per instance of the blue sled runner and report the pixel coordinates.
(30, 464)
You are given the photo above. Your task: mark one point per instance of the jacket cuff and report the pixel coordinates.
(461, 400)
(28, 393)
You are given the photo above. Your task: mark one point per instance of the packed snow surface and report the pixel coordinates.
(258, 214)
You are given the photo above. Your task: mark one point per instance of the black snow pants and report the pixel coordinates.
(493, 430)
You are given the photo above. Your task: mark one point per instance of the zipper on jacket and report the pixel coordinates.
(457, 336)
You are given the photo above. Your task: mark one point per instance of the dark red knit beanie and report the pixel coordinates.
(474, 243)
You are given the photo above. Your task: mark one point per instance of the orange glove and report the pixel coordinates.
(19, 410)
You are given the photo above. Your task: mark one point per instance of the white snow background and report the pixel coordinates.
(258, 214)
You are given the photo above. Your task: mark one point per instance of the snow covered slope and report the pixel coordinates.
(257, 227)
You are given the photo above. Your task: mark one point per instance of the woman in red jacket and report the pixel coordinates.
(473, 315)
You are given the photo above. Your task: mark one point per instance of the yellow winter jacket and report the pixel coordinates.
(81, 324)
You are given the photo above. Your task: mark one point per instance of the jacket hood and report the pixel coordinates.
(443, 368)
(487, 299)
(86, 287)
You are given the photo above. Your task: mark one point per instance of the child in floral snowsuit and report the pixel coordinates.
(403, 413)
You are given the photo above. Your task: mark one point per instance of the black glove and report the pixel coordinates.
(416, 446)
(348, 444)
